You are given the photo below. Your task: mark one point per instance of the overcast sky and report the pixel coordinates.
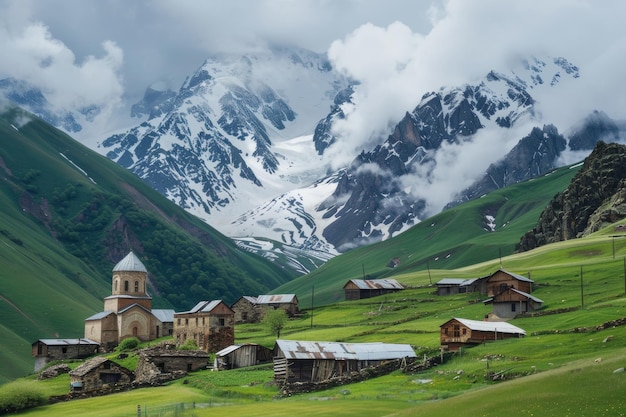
(108, 51)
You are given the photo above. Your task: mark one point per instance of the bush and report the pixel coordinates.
(189, 344)
(127, 344)
(19, 395)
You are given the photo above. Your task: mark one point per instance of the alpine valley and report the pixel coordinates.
(247, 145)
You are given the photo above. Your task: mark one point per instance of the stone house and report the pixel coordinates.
(164, 363)
(511, 302)
(300, 361)
(457, 332)
(245, 309)
(99, 373)
(46, 350)
(287, 302)
(210, 323)
(357, 289)
(128, 310)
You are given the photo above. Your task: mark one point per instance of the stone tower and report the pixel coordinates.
(129, 282)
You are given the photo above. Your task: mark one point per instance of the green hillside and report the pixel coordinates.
(67, 215)
(570, 363)
(452, 239)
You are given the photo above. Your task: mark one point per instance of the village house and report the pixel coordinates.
(128, 310)
(99, 373)
(300, 361)
(457, 333)
(245, 309)
(453, 286)
(241, 356)
(211, 324)
(511, 302)
(500, 280)
(357, 289)
(46, 350)
(287, 302)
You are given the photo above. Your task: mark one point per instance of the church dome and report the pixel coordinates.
(130, 263)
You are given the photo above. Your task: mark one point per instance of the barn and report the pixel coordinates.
(301, 361)
(500, 280)
(511, 302)
(241, 356)
(357, 289)
(457, 332)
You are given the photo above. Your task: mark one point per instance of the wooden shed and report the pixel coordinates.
(452, 286)
(97, 373)
(457, 332)
(241, 356)
(511, 302)
(500, 280)
(296, 361)
(357, 289)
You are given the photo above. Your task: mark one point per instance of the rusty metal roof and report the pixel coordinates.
(375, 284)
(293, 349)
(276, 299)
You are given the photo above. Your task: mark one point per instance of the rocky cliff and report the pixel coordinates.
(596, 197)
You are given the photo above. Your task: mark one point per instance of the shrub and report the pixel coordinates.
(189, 344)
(127, 344)
(19, 395)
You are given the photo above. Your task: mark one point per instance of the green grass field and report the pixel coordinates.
(563, 367)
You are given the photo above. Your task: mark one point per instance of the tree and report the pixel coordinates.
(274, 320)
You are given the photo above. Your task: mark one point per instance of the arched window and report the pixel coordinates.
(136, 286)
(126, 286)
(115, 284)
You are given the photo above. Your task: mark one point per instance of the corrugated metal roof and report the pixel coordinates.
(130, 263)
(371, 284)
(293, 349)
(204, 306)
(490, 326)
(66, 342)
(535, 299)
(99, 315)
(519, 277)
(457, 281)
(276, 299)
(164, 315)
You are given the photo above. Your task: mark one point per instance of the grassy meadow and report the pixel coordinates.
(564, 366)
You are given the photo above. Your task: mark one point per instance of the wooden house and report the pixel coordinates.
(357, 289)
(287, 302)
(500, 280)
(210, 323)
(246, 310)
(241, 356)
(46, 350)
(299, 361)
(452, 286)
(457, 332)
(511, 302)
(98, 373)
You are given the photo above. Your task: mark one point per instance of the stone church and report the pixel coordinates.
(128, 310)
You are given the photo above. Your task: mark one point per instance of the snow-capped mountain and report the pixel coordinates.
(231, 137)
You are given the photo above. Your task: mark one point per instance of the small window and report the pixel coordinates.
(189, 367)
(126, 286)
(464, 331)
(457, 330)
(186, 322)
(64, 349)
(178, 321)
(196, 321)
(221, 321)
(513, 307)
(136, 286)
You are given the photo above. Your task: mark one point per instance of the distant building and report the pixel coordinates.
(457, 332)
(287, 302)
(452, 286)
(510, 303)
(300, 361)
(241, 356)
(246, 311)
(46, 350)
(98, 373)
(128, 310)
(210, 323)
(357, 289)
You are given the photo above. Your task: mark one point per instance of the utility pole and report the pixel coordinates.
(582, 294)
(312, 303)
(430, 278)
